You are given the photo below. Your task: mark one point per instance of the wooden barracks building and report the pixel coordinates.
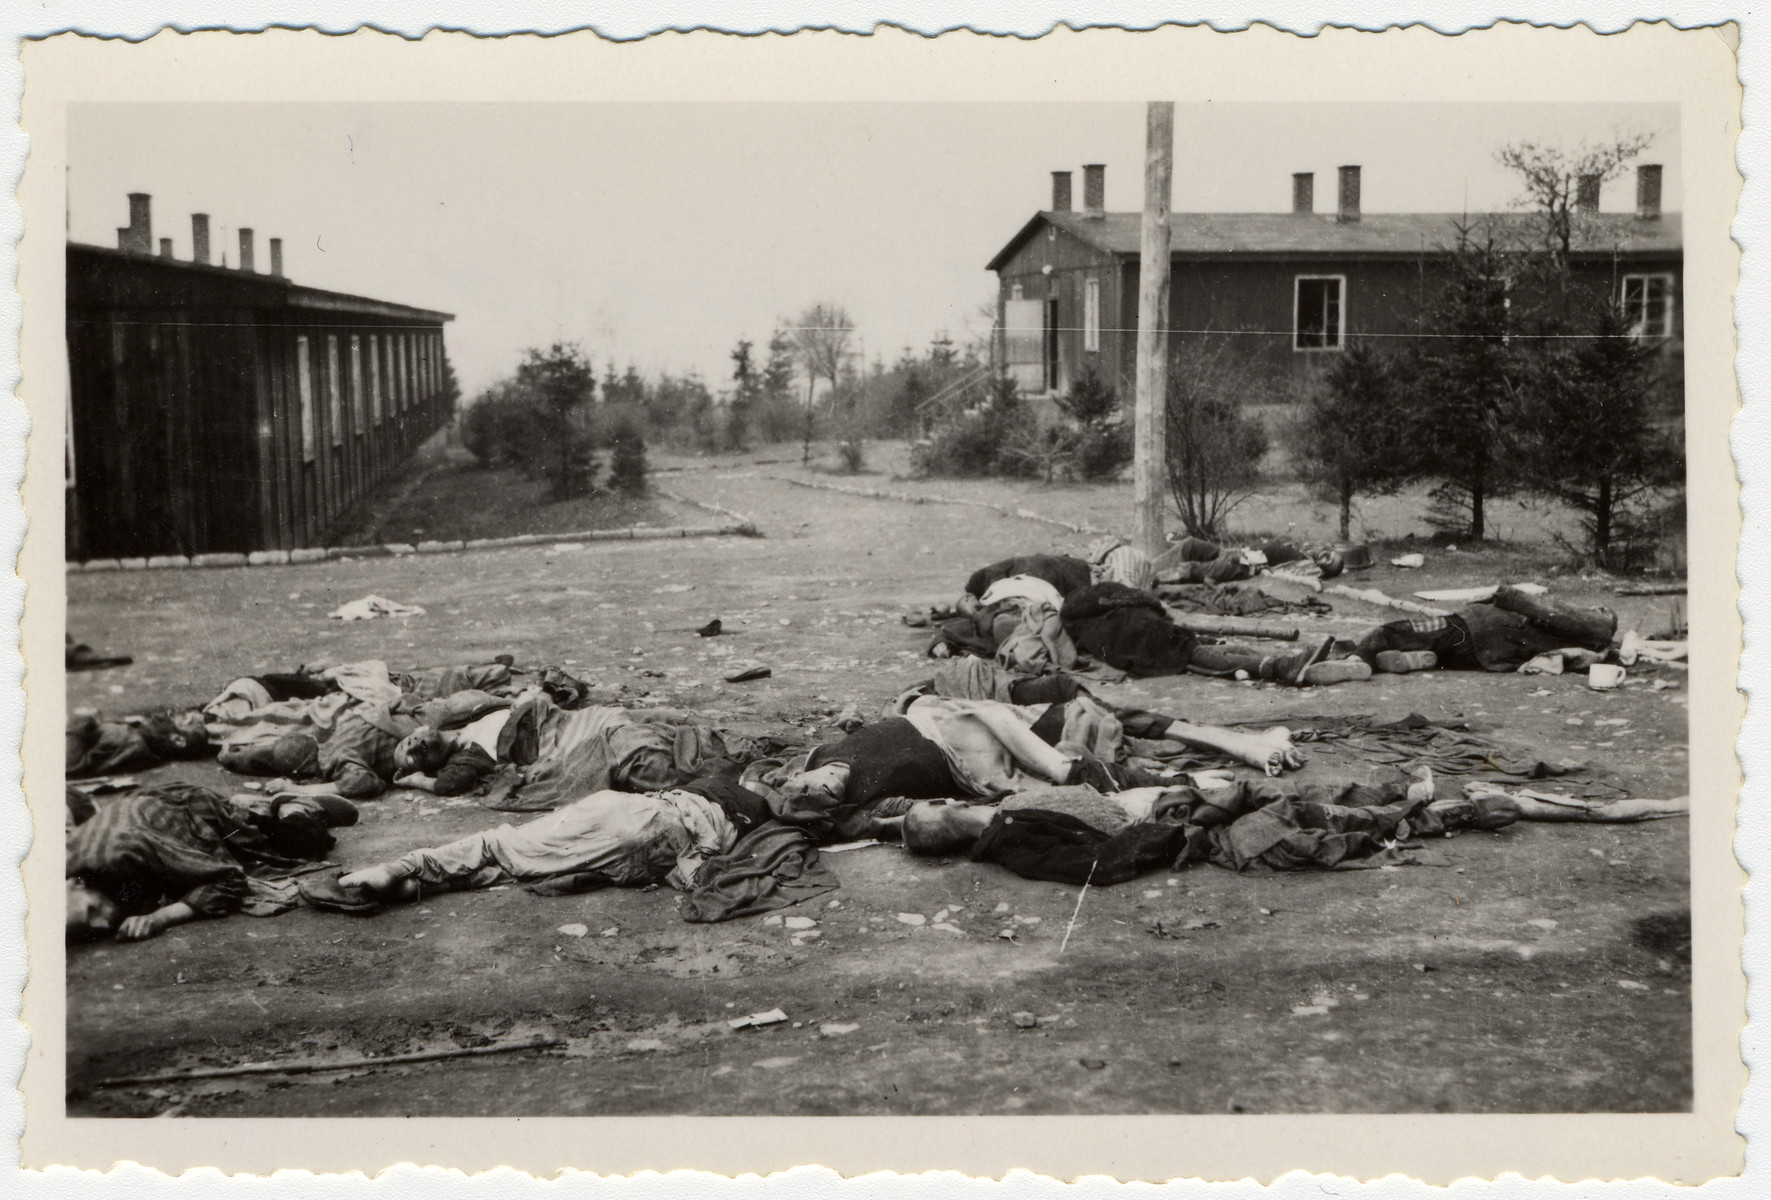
(1292, 288)
(219, 409)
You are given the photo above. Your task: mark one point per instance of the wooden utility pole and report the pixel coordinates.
(1151, 448)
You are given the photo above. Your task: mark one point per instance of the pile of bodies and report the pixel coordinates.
(1007, 756)
(1110, 616)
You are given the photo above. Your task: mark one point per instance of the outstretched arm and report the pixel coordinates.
(134, 929)
(1271, 749)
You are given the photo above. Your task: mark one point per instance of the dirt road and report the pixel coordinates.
(1518, 978)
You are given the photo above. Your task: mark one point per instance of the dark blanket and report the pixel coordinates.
(743, 808)
(1501, 640)
(1060, 570)
(770, 867)
(1125, 628)
(888, 758)
(1036, 844)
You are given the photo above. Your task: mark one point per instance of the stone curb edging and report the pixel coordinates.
(906, 498)
(706, 506)
(269, 558)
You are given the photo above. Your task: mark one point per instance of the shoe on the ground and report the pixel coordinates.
(1421, 784)
(329, 895)
(1290, 669)
(1489, 811)
(1402, 662)
(1334, 670)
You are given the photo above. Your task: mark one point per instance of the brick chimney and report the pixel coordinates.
(165, 247)
(124, 233)
(1586, 194)
(1349, 210)
(1303, 192)
(200, 238)
(1648, 191)
(277, 257)
(246, 263)
(141, 223)
(1094, 189)
(1060, 191)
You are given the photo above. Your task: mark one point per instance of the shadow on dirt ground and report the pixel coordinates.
(1542, 970)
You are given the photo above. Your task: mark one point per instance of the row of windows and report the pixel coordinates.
(413, 373)
(1319, 320)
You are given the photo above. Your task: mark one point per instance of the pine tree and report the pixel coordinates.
(560, 385)
(1349, 439)
(627, 460)
(747, 391)
(1102, 445)
(1460, 383)
(1588, 436)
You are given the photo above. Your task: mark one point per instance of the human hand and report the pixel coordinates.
(134, 929)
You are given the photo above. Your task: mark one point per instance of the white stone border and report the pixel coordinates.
(907, 498)
(273, 558)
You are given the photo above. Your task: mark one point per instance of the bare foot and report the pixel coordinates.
(384, 880)
(1271, 750)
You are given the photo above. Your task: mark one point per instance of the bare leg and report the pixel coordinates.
(389, 881)
(1271, 749)
(886, 829)
(1029, 752)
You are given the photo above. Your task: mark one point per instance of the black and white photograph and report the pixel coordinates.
(876, 608)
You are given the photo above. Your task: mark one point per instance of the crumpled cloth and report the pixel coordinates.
(1114, 561)
(372, 606)
(1230, 600)
(1039, 644)
(1449, 748)
(1038, 844)
(1028, 589)
(772, 866)
(970, 678)
(1078, 800)
(1060, 570)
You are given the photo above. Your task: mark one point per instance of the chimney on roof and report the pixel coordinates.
(1648, 191)
(246, 263)
(1586, 194)
(141, 223)
(165, 247)
(1060, 191)
(1349, 210)
(277, 257)
(1303, 192)
(123, 235)
(200, 238)
(1094, 189)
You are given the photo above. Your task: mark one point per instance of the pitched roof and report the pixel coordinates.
(245, 286)
(1321, 233)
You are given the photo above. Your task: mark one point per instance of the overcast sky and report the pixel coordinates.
(659, 234)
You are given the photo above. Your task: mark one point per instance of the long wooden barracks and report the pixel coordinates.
(218, 409)
(1292, 289)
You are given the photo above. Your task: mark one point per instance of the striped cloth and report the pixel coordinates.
(1113, 561)
(174, 842)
